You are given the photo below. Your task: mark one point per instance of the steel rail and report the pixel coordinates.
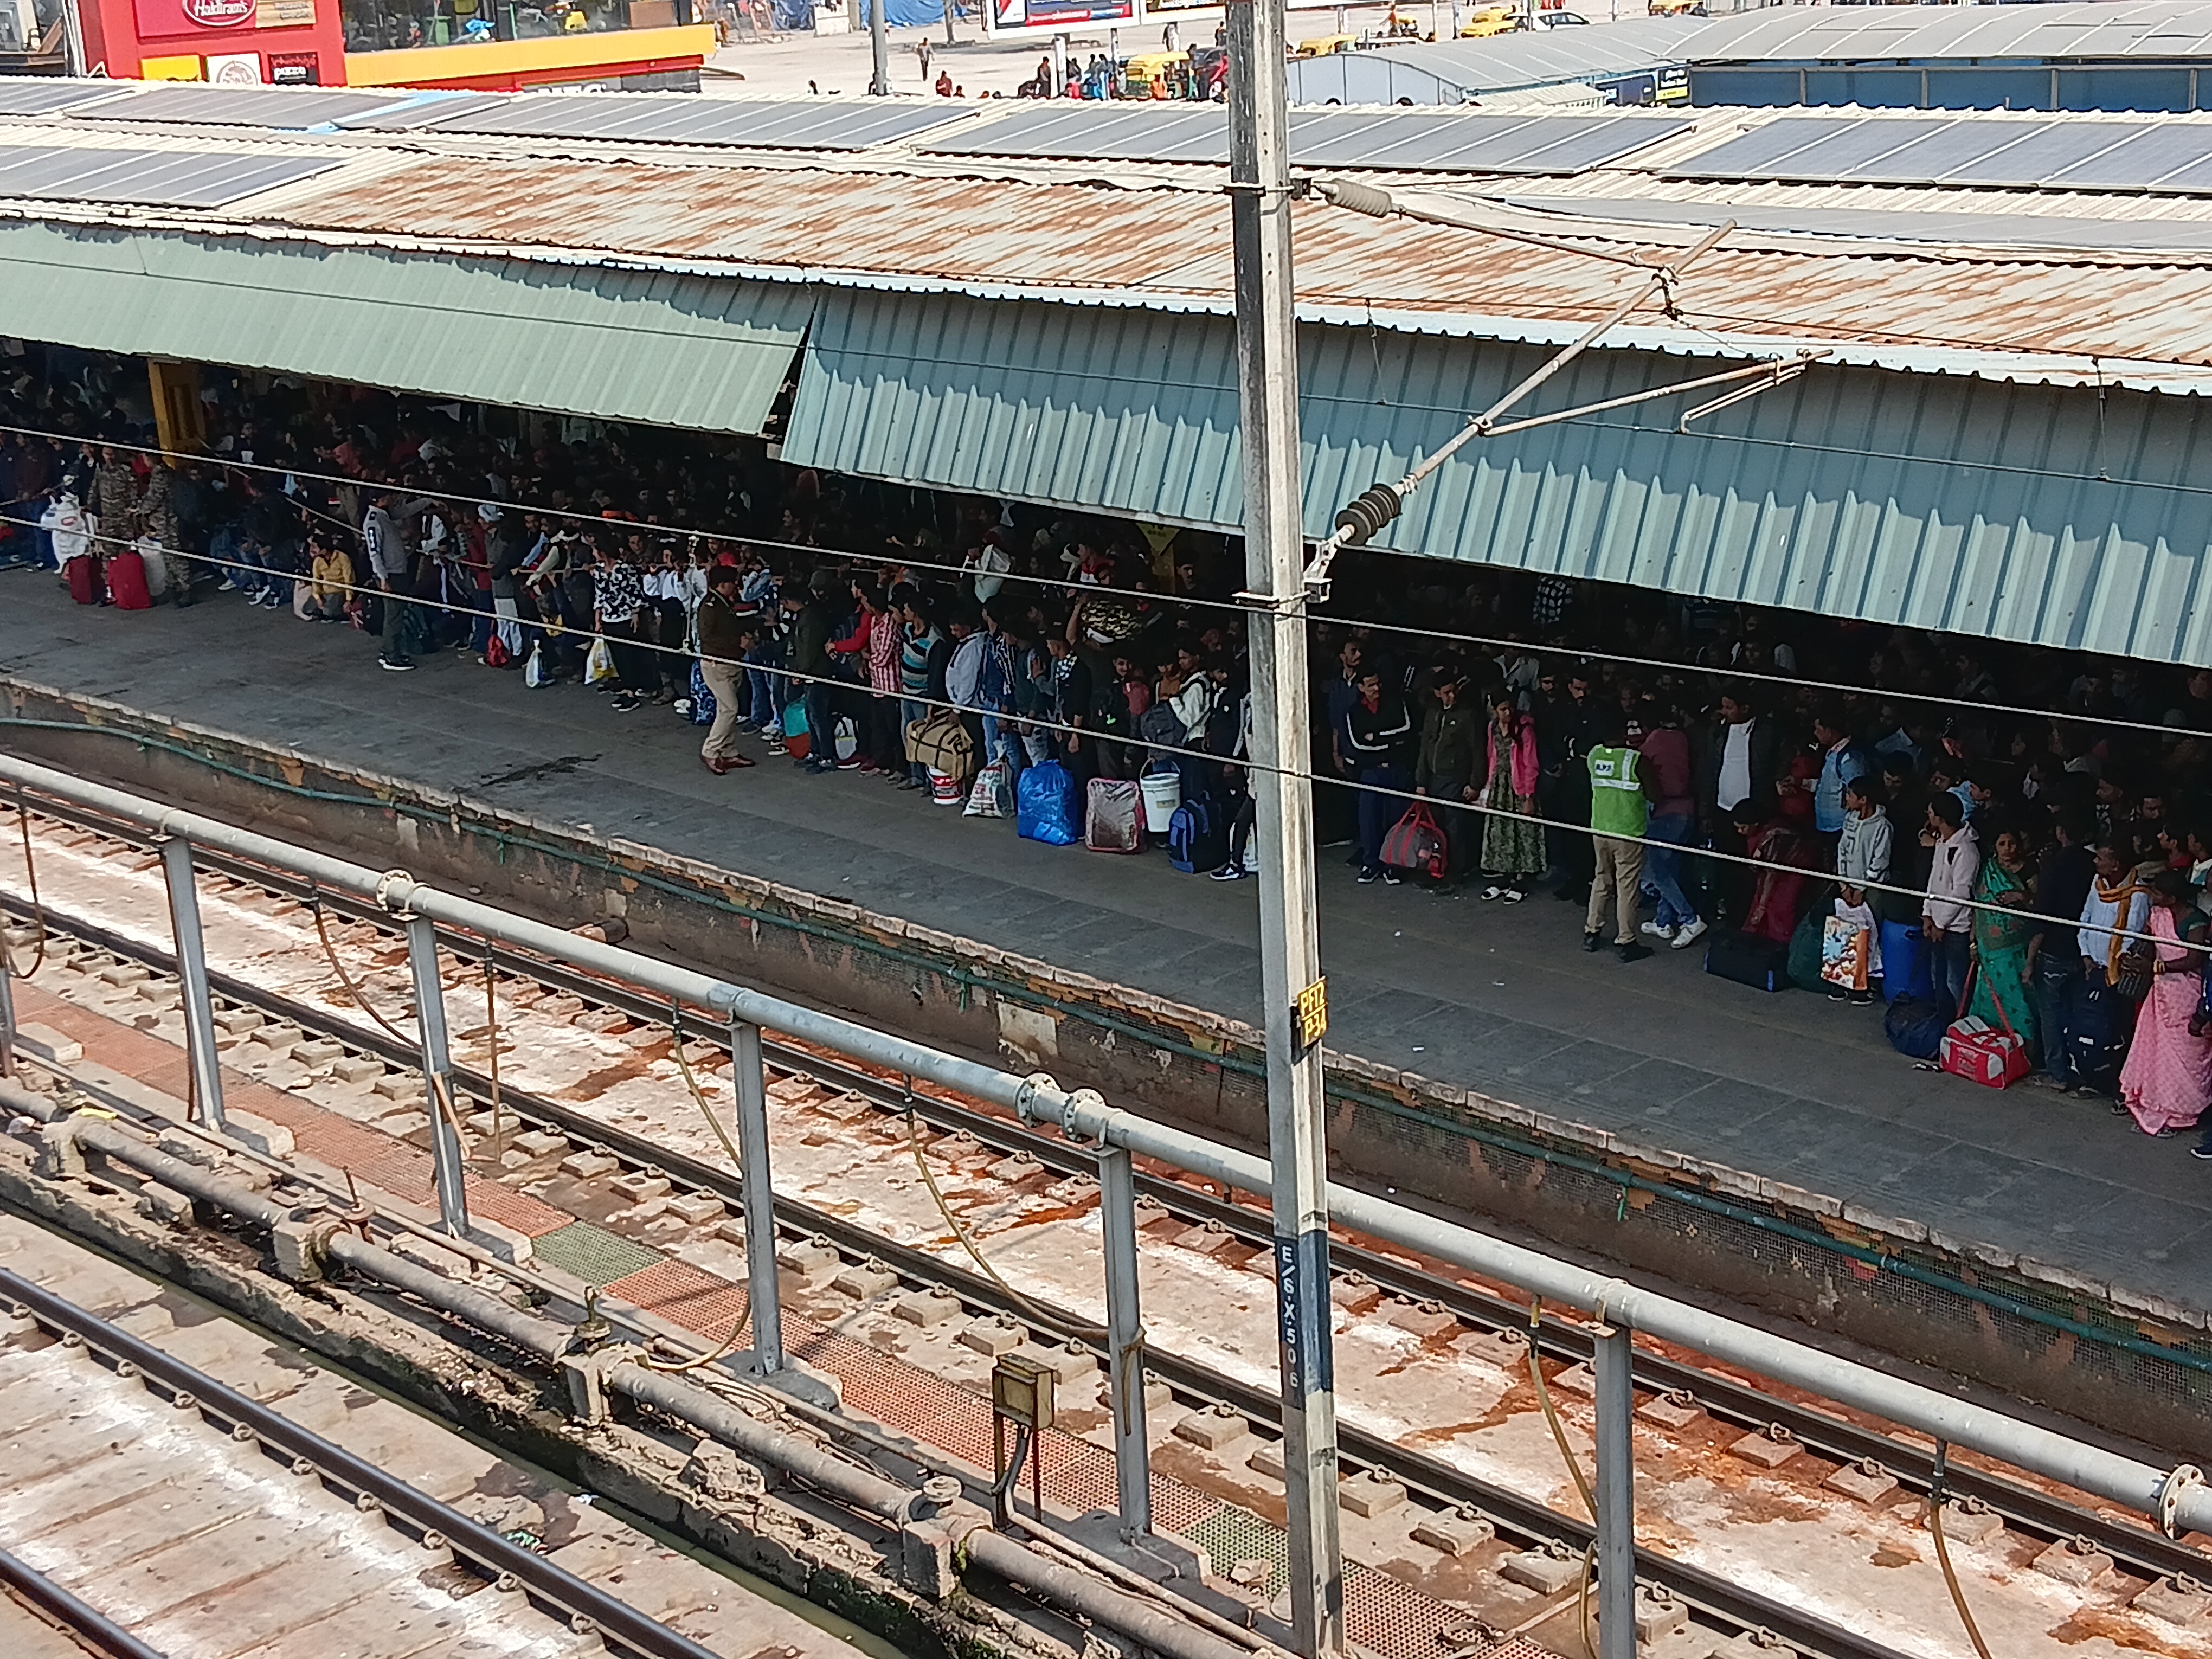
(2178, 1494)
(1819, 1432)
(80, 1618)
(615, 1621)
(1515, 1514)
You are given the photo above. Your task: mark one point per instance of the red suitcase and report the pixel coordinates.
(126, 581)
(83, 579)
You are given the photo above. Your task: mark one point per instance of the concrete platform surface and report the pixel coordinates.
(1500, 999)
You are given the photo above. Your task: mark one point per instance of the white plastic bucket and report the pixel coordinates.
(1162, 794)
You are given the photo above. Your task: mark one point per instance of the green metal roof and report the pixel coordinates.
(2049, 515)
(700, 352)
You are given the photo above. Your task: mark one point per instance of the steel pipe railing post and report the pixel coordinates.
(191, 975)
(446, 1159)
(1125, 1337)
(749, 1074)
(2178, 1496)
(1613, 1362)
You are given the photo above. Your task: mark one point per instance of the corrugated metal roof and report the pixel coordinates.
(1500, 63)
(1791, 34)
(1965, 506)
(675, 351)
(2164, 29)
(1078, 241)
(1931, 304)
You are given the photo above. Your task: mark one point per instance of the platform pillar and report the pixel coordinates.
(1125, 1337)
(1613, 1363)
(174, 390)
(446, 1160)
(749, 1073)
(191, 975)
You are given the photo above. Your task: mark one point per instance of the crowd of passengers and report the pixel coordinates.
(2022, 835)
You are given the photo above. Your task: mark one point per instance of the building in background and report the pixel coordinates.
(485, 45)
(2154, 57)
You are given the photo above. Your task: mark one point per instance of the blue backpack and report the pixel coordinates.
(1044, 806)
(1198, 840)
(1915, 1025)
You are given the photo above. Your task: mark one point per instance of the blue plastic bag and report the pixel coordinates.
(702, 700)
(1044, 806)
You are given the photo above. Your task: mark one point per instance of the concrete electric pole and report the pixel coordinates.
(1297, 1003)
(879, 42)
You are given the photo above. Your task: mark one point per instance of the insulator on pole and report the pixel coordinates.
(1366, 513)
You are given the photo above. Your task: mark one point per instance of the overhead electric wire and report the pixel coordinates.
(1751, 676)
(1184, 751)
(1081, 590)
(1070, 587)
(603, 521)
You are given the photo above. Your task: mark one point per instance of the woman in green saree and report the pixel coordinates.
(2002, 996)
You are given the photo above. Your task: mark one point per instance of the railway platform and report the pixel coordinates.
(1494, 998)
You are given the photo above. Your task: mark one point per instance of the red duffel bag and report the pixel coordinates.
(1995, 1056)
(1415, 844)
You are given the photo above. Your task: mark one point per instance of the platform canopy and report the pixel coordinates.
(705, 353)
(1825, 495)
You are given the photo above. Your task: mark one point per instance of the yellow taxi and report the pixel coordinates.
(1327, 45)
(1488, 21)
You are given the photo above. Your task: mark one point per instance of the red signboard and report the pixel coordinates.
(160, 18)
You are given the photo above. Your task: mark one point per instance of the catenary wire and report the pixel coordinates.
(598, 521)
(1745, 676)
(905, 559)
(1182, 751)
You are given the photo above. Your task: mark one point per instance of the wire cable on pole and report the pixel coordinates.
(38, 909)
(907, 560)
(1711, 854)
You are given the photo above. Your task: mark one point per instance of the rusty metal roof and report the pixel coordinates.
(1157, 237)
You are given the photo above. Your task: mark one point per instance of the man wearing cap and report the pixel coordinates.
(726, 632)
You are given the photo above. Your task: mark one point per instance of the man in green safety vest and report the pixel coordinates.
(1621, 811)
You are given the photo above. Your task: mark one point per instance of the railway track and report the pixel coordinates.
(164, 1507)
(1726, 1606)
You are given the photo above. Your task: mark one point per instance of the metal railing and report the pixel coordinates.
(2176, 1499)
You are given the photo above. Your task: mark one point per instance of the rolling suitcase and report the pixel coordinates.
(84, 585)
(126, 581)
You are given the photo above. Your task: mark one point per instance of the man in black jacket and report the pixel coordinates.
(1566, 723)
(1379, 742)
(725, 633)
(810, 632)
